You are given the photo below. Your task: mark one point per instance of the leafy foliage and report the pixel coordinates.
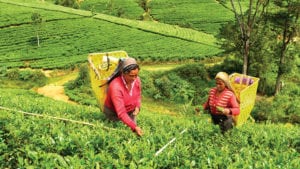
(127, 9)
(68, 3)
(66, 32)
(179, 85)
(24, 78)
(191, 14)
(283, 108)
(172, 87)
(230, 65)
(32, 142)
(40, 142)
(79, 90)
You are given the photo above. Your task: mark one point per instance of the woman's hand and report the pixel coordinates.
(136, 111)
(138, 131)
(226, 111)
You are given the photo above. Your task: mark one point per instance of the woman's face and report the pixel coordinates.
(131, 76)
(220, 85)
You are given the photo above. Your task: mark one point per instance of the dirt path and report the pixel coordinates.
(55, 89)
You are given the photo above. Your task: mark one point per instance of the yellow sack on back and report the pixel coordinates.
(244, 88)
(102, 68)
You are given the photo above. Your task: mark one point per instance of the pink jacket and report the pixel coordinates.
(120, 101)
(226, 99)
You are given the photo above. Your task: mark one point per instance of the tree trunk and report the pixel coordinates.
(285, 40)
(245, 29)
(246, 56)
(280, 71)
(246, 26)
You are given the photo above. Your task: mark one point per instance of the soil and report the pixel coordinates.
(55, 92)
(55, 89)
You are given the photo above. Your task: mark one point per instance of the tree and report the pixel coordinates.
(145, 4)
(286, 18)
(246, 23)
(263, 63)
(69, 3)
(37, 22)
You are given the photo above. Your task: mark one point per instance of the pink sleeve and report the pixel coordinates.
(234, 106)
(139, 97)
(118, 102)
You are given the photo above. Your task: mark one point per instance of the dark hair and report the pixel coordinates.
(118, 71)
(129, 68)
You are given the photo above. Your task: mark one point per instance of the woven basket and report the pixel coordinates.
(101, 67)
(245, 88)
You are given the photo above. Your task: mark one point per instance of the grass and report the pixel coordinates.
(59, 77)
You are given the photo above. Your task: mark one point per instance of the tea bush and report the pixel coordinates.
(26, 78)
(65, 41)
(40, 142)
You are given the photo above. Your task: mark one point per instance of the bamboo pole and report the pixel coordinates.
(160, 150)
(56, 118)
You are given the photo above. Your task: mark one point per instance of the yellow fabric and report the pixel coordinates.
(245, 94)
(101, 66)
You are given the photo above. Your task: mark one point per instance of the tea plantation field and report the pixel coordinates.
(31, 141)
(39, 132)
(67, 36)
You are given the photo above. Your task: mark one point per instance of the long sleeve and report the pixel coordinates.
(119, 105)
(139, 93)
(226, 99)
(122, 102)
(234, 106)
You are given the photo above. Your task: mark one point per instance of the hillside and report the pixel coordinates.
(89, 141)
(67, 36)
(49, 117)
(204, 16)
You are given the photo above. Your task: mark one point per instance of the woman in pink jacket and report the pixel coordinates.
(222, 103)
(123, 99)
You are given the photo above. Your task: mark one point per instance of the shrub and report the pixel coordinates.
(80, 90)
(187, 83)
(174, 88)
(3, 71)
(25, 75)
(230, 65)
(284, 107)
(83, 78)
(13, 74)
(147, 79)
(33, 78)
(197, 75)
(192, 72)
